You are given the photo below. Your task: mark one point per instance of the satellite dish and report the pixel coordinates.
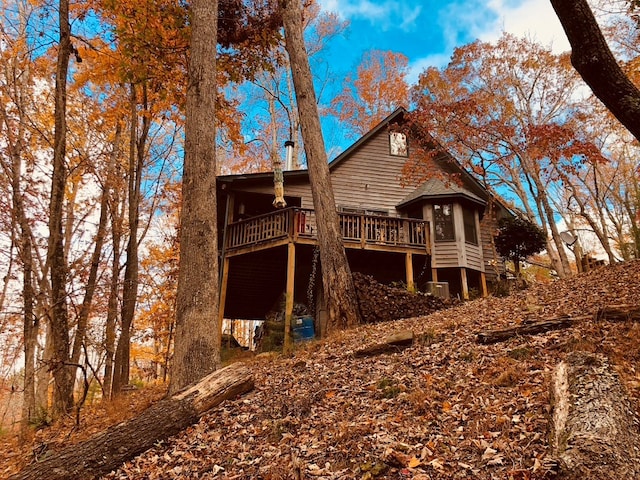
(568, 238)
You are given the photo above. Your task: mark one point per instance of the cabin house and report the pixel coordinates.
(422, 235)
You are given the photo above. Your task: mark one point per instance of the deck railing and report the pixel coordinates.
(269, 226)
(355, 228)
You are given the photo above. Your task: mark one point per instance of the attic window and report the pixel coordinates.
(398, 144)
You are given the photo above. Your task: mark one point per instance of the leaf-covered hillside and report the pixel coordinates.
(447, 407)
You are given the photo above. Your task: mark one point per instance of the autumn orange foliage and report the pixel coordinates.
(378, 88)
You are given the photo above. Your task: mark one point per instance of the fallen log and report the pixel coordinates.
(499, 335)
(392, 343)
(618, 313)
(111, 448)
(613, 313)
(595, 429)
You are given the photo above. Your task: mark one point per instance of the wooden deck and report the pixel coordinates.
(298, 225)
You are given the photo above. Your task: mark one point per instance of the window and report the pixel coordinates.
(363, 211)
(352, 210)
(443, 222)
(398, 144)
(470, 232)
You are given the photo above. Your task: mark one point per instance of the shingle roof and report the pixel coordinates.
(436, 187)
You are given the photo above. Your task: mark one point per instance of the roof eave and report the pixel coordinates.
(447, 196)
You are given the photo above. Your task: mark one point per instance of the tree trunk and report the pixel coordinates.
(130, 283)
(63, 381)
(85, 309)
(111, 448)
(43, 374)
(25, 249)
(112, 306)
(610, 313)
(14, 135)
(558, 254)
(31, 321)
(555, 236)
(618, 313)
(342, 305)
(599, 229)
(596, 64)
(197, 341)
(594, 426)
(537, 195)
(577, 248)
(116, 217)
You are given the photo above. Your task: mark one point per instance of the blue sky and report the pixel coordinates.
(427, 32)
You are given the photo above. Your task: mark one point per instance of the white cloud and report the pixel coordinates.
(416, 67)
(467, 20)
(532, 18)
(409, 17)
(463, 21)
(387, 14)
(455, 22)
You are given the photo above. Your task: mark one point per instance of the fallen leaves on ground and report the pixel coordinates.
(445, 408)
(93, 419)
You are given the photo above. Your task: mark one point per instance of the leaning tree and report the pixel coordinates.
(342, 303)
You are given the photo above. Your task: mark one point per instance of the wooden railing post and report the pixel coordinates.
(294, 223)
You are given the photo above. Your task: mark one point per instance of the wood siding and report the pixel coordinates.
(457, 253)
(445, 254)
(493, 264)
(297, 189)
(474, 257)
(370, 179)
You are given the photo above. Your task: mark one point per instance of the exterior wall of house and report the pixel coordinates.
(473, 253)
(474, 257)
(369, 180)
(371, 177)
(458, 252)
(298, 189)
(493, 264)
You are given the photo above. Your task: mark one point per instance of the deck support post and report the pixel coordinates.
(408, 263)
(434, 274)
(288, 306)
(223, 294)
(465, 285)
(224, 264)
(483, 284)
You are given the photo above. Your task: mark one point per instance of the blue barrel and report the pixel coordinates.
(303, 329)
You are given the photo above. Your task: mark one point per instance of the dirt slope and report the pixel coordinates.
(444, 408)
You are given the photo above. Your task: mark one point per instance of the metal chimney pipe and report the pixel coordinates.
(288, 146)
